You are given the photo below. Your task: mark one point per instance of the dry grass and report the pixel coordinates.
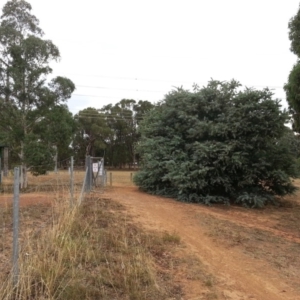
(279, 252)
(62, 178)
(120, 178)
(93, 252)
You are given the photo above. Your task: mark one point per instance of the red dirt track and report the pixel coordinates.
(252, 254)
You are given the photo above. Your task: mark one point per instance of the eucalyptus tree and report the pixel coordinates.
(92, 133)
(27, 98)
(119, 118)
(123, 118)
(56, 129)
(110, 131)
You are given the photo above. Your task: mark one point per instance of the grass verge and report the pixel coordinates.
(96, 252)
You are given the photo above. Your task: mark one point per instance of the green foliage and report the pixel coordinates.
(39, 156)
(57, 128)
(292, 87)
(217, 144)
(91, 134)
(30, 108)
(111, 130)
(294, 33)
(123, 118)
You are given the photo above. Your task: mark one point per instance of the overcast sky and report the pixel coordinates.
(141, 49)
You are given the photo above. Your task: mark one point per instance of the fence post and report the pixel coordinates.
(131, 177)
(83, 186)
(103, 177)
(86, 181)
(72, 182)
(16, 226)
(110, 178)
(90, 174)
(89, 178)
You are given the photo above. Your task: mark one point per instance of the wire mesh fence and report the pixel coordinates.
(34, 209)
(120, 178)
(30, 212)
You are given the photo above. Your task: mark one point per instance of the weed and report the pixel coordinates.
(173, 238)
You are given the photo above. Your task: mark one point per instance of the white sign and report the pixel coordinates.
(95, 167)
(98, 168)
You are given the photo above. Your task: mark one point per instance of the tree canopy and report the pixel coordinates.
(217, 144)
(92, 133)
(292, 89)
(294, 31)
(111, 131)
(293, 84)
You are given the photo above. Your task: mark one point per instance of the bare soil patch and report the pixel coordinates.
(250, 254)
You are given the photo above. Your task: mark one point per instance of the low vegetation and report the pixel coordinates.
(95, 252)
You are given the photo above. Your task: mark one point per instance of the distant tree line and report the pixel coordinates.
(110, 132)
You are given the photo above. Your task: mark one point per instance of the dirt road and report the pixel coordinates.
(251, 254)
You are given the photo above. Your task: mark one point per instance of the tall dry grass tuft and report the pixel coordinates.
(91, 252)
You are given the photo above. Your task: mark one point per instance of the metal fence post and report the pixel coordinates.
(86, 181)
(103, 177)
(72, 182)
(90, 174)
(83, 186)
(89, 178)
(16, 226)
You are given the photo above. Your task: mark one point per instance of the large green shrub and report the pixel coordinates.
(217, 144)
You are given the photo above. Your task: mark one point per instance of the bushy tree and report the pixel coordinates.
(217, 144)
